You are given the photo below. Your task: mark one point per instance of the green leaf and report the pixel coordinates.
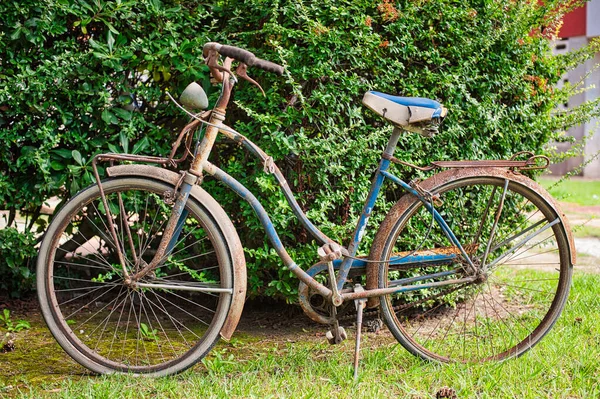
(74, 187)
(141, 145)
(55, 165)
(63, 152)
(99, 55)
(122, 113)
(109, 117)
(124, 140)
(111, 28)
(77, 157)
(110, 41)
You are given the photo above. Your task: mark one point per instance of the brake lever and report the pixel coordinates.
(211, 61)
(242, 72)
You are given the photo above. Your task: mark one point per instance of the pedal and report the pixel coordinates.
(330, 252)
(335, 339)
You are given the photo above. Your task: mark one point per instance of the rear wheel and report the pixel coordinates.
(522, 271)
(164, 325)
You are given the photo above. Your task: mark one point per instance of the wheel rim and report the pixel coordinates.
(512, 305)
(133, 329)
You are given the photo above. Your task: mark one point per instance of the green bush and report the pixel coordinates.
(17, 250)
(81, 78)
(73, 72)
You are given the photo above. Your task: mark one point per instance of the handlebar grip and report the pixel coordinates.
(239, 54)
(268, 66)
(244, 56)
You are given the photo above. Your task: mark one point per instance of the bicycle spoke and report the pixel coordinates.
(88, 293)
(176, 323)
(181, 309)
(131, 296)
(86, 305)
(150, 326)
(101, 260)
(62, 262)
(106, 319)
(114, 337)
(161, 326)
(495, 225)
(182, 249)
(107, 239)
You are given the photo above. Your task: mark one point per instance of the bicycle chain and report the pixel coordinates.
(351, 316)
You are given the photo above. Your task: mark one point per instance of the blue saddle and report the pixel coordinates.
(413, 102)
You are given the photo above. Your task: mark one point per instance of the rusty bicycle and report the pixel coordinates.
(143, 272)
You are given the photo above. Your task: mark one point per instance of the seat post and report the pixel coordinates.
(391, 146)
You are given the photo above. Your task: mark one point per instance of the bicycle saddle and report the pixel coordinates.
(404, 111)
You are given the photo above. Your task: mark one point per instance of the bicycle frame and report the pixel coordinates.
(201, 165)
(348, 262)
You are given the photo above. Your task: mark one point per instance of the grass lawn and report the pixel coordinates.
(574, 190)
(297, 363)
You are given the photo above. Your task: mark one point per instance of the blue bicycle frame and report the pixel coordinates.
(349, 262)
(201, 165)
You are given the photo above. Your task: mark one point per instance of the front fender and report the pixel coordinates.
(234, 245)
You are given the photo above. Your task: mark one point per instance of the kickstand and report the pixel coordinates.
(360, 306)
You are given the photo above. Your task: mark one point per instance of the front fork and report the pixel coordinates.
(171, 233)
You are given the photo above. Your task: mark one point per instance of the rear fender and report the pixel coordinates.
(232, 239)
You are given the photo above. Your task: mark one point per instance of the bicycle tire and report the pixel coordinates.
(145, 331)
(518, 298)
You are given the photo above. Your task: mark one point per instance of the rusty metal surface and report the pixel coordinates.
(304, 301)
(480, 164)
(221, 219)
(216, 119)
(305, 294)
(453, 250)
(360, 306)
(442, 178)
(410, 165)
(534, 162)
(188, 132)
(390, 290)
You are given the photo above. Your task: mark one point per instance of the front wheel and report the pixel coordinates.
(163, 325)
(521, 270)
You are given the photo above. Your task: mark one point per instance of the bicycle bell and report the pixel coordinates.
(194, 97)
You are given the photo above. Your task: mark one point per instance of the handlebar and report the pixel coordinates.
(243, 56)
